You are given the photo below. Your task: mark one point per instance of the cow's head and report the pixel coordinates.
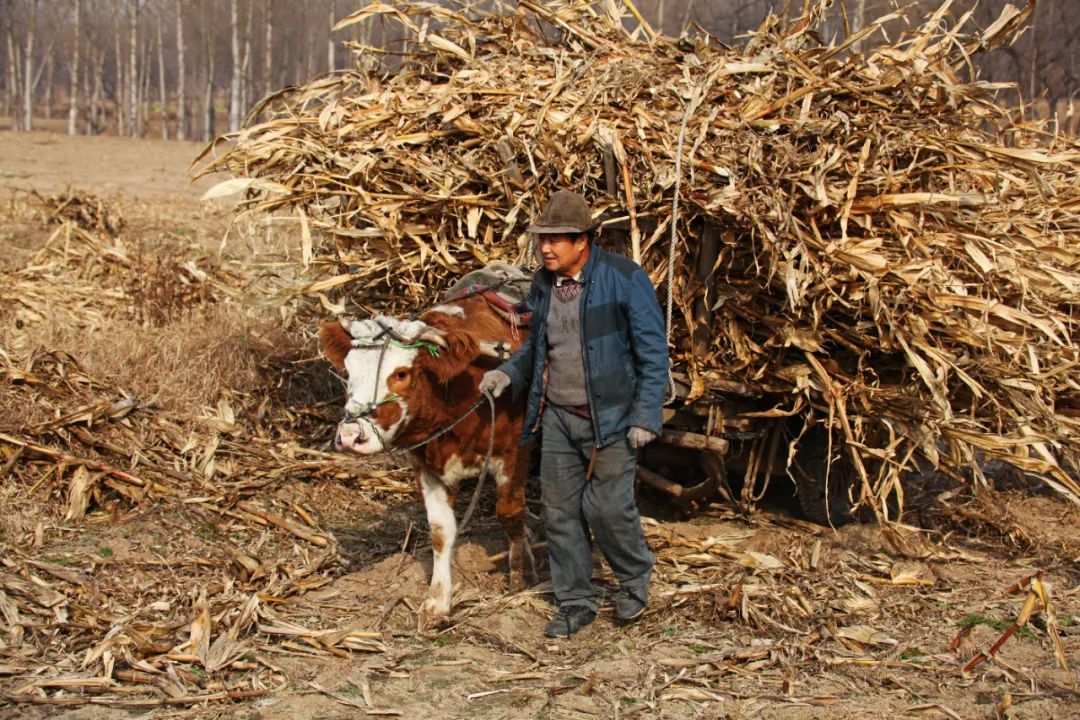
(393, 367)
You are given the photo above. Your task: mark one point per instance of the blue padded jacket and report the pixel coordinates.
(624, 348)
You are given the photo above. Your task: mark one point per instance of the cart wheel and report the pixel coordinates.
(825, 503)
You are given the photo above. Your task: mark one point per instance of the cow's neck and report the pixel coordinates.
(449, 410)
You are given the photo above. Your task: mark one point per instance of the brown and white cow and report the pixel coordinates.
(410, 379)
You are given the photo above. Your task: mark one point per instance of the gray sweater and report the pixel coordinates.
(566, 368)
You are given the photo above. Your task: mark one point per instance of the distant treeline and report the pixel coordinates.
(189, 69)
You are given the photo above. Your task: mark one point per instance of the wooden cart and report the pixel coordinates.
(730, 446)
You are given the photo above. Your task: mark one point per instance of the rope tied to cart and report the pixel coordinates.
(691, 107)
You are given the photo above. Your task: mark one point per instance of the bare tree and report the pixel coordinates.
(28, 67)
(331, 61)
(860, 21)
(268, 48)
(144, 85)
(134, 83)
(5, 80)
(50, 70)
(13, 78)
(163, 92)
(95, 64)
(234, 87)
(5, 77)
(97, 32)
(685, 22)
(181, 76)
(73, 85)
(208, 96)
(245, 66)
(309, 51)
(119, 75)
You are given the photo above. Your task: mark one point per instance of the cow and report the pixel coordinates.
(409, 381)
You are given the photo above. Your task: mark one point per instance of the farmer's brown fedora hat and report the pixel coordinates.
(566, 213)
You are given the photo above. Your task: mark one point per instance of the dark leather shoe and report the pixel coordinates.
(629, 606)
(569, 620)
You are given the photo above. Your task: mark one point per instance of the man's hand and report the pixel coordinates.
(640, 437)
(494, 382)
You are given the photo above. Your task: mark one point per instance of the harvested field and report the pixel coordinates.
(176, 541)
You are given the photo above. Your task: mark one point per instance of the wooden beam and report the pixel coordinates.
(694, 441)
(659, 482)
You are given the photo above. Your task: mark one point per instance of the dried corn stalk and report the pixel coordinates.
(853, 229)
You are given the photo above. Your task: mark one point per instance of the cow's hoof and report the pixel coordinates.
(434, 613)
(517, 582)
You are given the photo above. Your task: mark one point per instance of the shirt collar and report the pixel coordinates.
(559, 279)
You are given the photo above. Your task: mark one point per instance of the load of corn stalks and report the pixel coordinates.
(858, 232)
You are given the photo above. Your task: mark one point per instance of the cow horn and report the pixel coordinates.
(433, 336)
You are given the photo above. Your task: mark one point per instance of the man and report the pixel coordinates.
(596, 366)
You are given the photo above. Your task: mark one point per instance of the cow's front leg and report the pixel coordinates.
(443, 525)
(510, 508)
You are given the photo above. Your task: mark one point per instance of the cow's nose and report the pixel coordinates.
(348, 435)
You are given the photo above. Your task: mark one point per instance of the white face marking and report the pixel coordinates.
(369, 365)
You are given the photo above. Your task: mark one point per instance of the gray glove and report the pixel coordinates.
(494, 382)
(640, 437)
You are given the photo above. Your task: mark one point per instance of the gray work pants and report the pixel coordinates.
(604, 504)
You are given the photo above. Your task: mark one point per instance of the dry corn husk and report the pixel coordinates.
(851, 228)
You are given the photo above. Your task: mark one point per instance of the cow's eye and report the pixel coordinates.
(401, 374)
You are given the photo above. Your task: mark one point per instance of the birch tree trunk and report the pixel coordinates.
(268, 53)
(120, 88)
(73, 92)
(163, 93)
(208, 99)
(245, 66)
(182, 130)
(234, 87)
(143, 100)
(95, 65)
(13, 79)
(134, 84)
(28, 69)
(331, 61)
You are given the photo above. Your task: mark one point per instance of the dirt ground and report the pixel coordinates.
(761, 616)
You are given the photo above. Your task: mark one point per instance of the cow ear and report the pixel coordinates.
(335, 342)
(458, 351)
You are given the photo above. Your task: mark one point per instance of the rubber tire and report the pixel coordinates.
(808, 468)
